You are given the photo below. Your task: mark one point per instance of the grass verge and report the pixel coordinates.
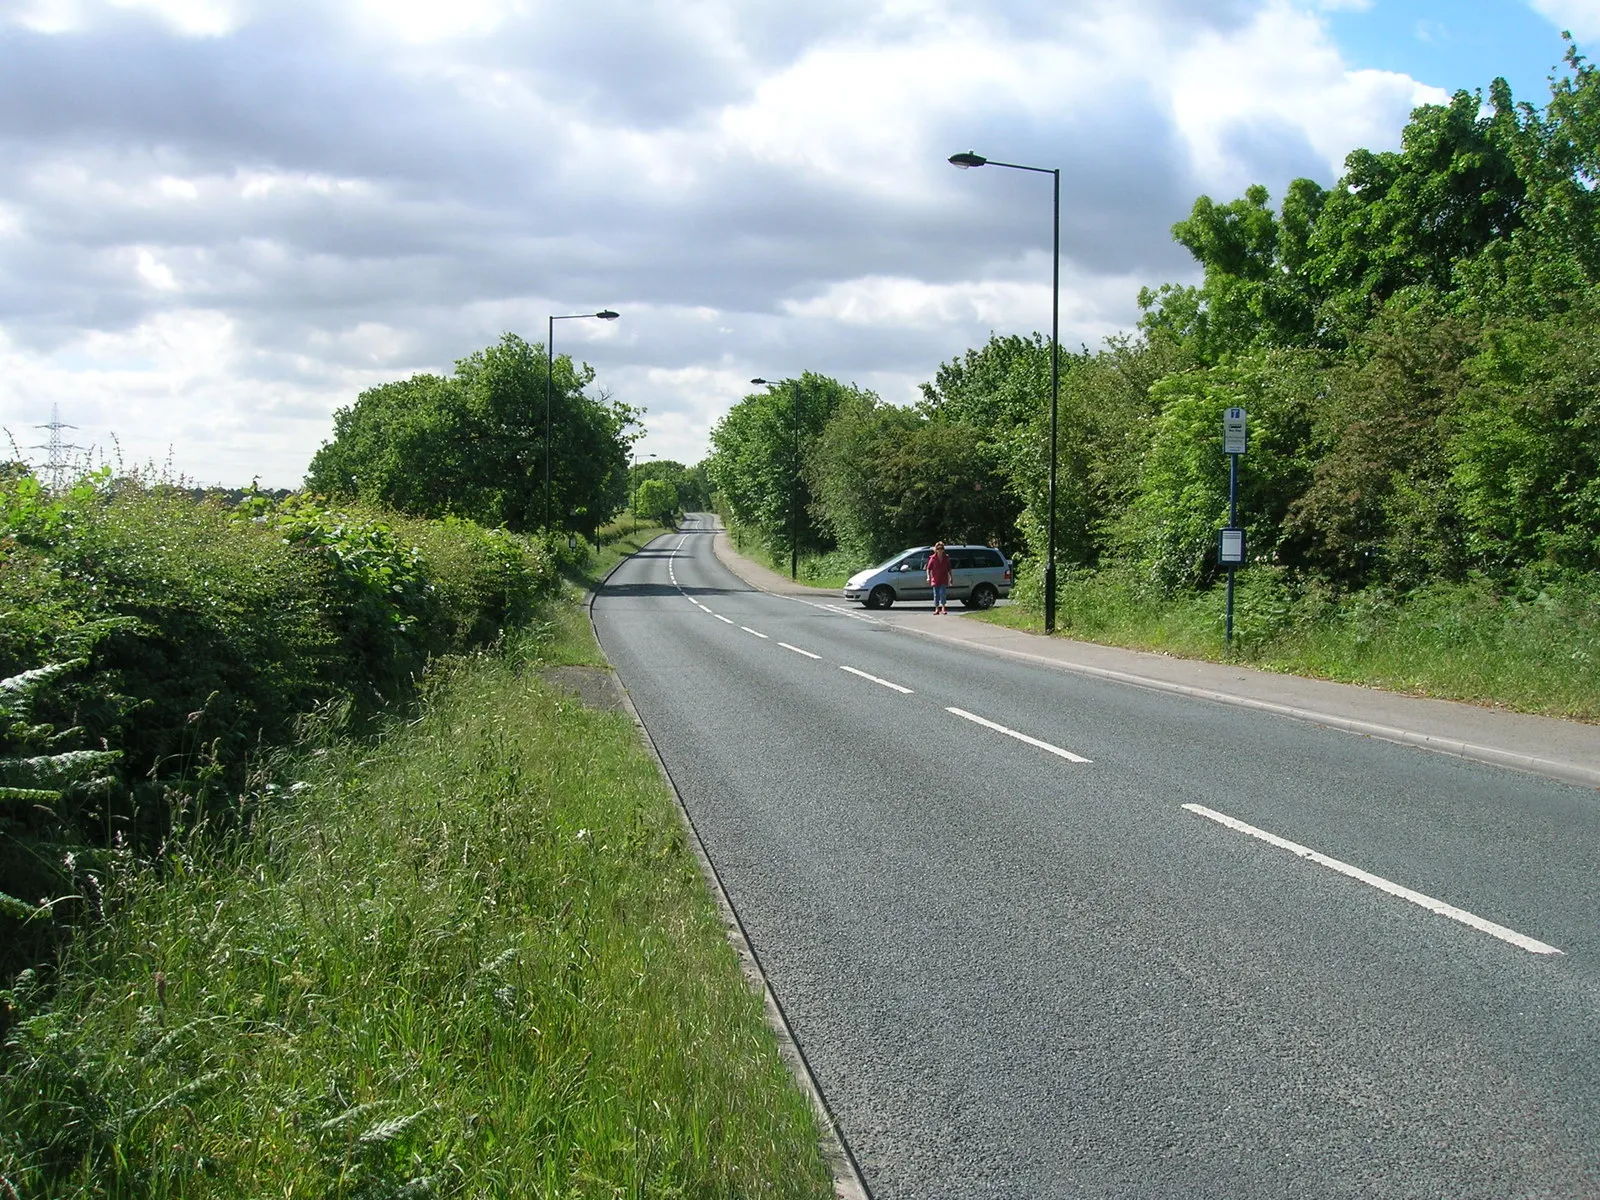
(473, 959)
(1533, 647)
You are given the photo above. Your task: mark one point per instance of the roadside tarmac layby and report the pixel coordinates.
(1558, 749)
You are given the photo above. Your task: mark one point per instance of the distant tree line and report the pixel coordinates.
(1418, 348)
(663, 490)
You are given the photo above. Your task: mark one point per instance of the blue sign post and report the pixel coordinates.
(1230, 551)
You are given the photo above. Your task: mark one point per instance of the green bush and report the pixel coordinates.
(207, 631)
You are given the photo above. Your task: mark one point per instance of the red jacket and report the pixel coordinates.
(939, 569)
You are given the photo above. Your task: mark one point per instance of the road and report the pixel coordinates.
(1036, 938)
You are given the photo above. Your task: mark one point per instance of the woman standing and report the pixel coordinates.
(939, 576)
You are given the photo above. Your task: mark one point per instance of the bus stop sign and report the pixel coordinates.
(1233, 435)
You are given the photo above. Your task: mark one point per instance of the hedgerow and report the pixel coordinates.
(199, 632)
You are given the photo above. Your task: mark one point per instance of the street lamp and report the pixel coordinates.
(634, 507)
(605, 314)
(794, 477)
(966, 161)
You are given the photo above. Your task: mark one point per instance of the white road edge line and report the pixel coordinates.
(797, 650)
(1021, 737)
(722, 618)
(1522, 941)
(747, 629)
(904, 691)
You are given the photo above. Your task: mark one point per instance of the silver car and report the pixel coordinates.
(979, 575)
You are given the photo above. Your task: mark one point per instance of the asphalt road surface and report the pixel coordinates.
(1045, 935)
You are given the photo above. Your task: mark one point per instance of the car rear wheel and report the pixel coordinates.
(881, 596)
(983, 596)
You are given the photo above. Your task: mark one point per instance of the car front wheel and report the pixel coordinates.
(881, 596)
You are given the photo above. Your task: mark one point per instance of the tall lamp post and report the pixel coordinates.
(605, 314)
(634, 507)
(966, 161)
(794, 478)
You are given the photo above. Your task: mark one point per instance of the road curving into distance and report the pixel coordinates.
(1043, 934)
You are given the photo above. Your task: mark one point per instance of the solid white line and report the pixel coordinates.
(844, 612)
(747, 629)
(1383, 885)
(904, 691)
(721, 618)
(797, 650)
(1021, 737)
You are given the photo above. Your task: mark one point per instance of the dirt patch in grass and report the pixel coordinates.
(595, 687)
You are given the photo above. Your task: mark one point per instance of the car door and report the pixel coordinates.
(963, 571)
(911, 577)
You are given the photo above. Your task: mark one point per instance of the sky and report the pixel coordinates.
(221, 220)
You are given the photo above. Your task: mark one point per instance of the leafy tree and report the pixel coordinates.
(758, 454)
(1406, 218)
(691, 484)
(992, 389)
(1170, 529)
(472, 445)
(1256, 293)
(885, 477)
(658, 501)
(1380, 504)
(1523, 444)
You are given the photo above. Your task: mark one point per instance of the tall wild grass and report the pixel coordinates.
(471, 958)
(1530, 642)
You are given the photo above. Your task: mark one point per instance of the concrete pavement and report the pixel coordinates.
(1564, 750)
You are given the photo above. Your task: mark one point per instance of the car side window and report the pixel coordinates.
(913, 562)
(961, 560)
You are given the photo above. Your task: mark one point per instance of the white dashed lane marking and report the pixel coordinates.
(797, 650)
(1520, 940)
(904, 691)
(1021, 737)
(759, 634)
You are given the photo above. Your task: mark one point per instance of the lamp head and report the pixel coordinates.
(605, 314)
(763, 382)
(967, 160)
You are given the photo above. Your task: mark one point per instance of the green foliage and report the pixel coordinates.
(1257, 291)
(472, 445)
(1524, 443)
(658, 501)
(206, 634)
(1379, 504)
(758, 455)
(1413, 346)
(481, 962)
(1169, 532)
(43, 787)
(692, 484)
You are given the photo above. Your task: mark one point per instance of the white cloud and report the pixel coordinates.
(153, 271)
(999, 304)
(1580, 17)
(48, 16)
(1282, 75)
(221, 222)
(423, 21)
(191, 18)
